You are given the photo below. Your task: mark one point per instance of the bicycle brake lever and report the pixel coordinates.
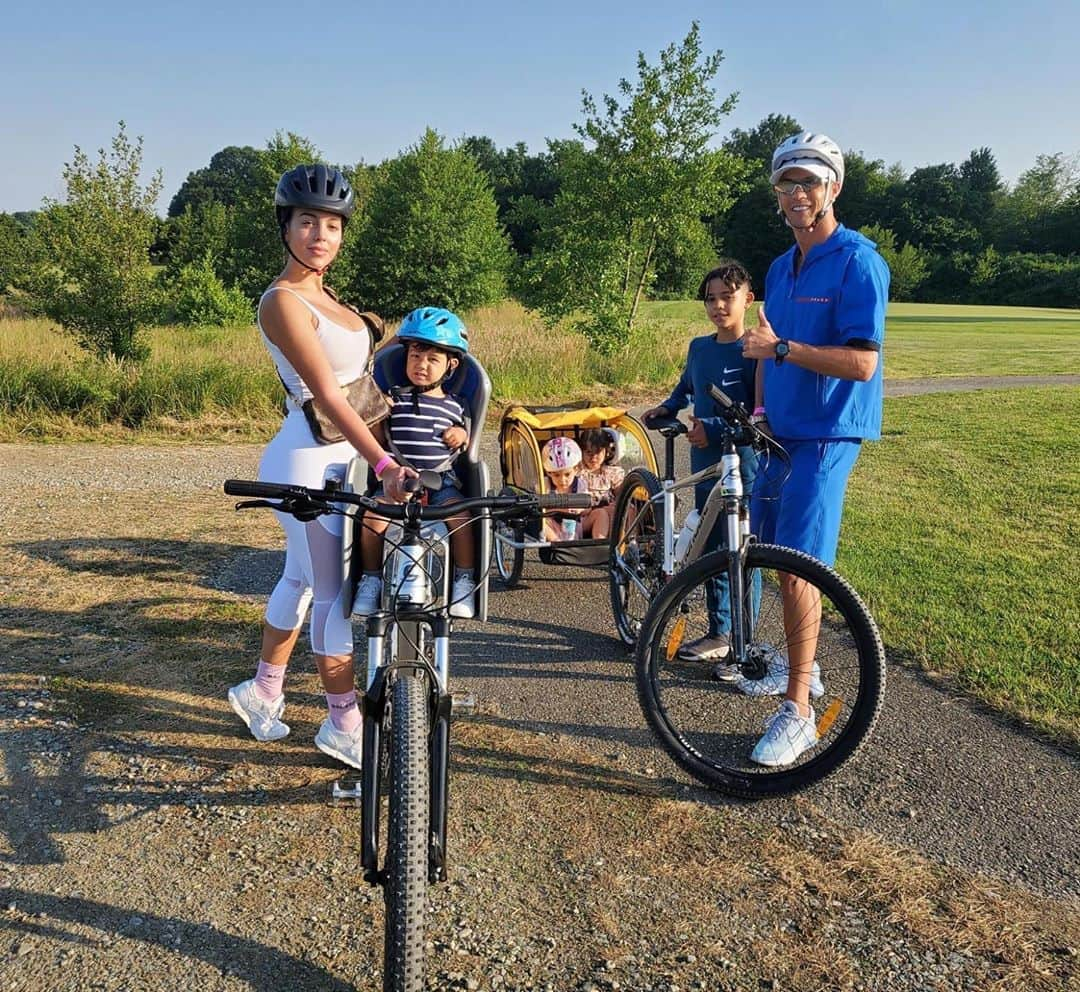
(251, 504)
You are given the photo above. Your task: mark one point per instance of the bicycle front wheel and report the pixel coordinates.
(709, 716)
(635, 572)
(406, 873)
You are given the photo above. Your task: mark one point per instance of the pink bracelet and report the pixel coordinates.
(758, 410)
(381, 464)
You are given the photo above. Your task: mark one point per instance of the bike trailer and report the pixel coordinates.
(523, 431)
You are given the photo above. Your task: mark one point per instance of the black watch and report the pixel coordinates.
(782, 349)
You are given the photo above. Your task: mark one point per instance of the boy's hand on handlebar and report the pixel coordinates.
(393, 482)
(656, 411)
(696, 435)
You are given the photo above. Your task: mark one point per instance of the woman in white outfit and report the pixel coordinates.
(317, 345)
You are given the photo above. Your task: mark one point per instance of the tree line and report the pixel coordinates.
(637, 205)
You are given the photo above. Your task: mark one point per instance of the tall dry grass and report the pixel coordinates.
(214, 381)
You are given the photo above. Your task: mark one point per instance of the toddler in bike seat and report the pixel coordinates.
(602, 477)
(561, 458)
(426, 428)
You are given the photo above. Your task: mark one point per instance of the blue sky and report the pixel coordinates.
(915, 83)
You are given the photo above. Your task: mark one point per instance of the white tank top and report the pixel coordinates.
(346, 351)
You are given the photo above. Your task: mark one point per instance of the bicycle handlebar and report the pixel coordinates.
(746, 432)
(300, 499)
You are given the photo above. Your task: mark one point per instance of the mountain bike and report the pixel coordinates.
(645, 548)
(708, 717)
(407, 703)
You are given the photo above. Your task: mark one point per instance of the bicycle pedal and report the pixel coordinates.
(339, 793)
(463, 703)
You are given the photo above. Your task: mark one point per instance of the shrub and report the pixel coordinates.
(198, 296)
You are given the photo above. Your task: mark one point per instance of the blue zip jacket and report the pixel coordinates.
(837, 297)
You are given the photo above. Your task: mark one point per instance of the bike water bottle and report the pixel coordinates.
(730, 475)
(686, 535)
(411, 582)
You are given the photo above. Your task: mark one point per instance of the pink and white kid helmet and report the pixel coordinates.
(560, 453)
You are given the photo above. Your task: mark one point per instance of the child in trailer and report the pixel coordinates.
(426, 428)
(716, 359)
(561, 458)
(602, 477)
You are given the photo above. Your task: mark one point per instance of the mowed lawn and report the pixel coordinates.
(932, 340)
(961, 531)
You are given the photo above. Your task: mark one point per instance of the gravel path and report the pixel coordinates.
(151, 845)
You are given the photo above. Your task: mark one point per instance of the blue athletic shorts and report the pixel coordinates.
(805, 512)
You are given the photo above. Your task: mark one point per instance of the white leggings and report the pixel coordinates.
(313, 568)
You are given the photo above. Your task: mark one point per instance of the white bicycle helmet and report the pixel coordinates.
(809, 151)
(561, 453)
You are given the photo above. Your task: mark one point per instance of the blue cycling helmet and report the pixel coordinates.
(437, 327)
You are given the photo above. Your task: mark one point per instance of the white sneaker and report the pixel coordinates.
(368, 597)
(461, 597)
(345, 747)
(262, 718)
(774, 681)
(787, 735)
(705, 649)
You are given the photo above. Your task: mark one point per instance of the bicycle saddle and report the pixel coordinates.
(669, 426)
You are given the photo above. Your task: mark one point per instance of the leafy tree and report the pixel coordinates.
(757, 145)
(929, 210)
(524, 185)
(202, 232)
(648, 176)
(13, 249)
(430, 235)
(907, 265)
(866, 189)
(1030, 216)
(231, 171)
(93, 275)
(982, 187)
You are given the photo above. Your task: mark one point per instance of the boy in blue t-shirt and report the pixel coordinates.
(716, 359)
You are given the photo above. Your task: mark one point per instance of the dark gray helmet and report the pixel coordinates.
(316, 187)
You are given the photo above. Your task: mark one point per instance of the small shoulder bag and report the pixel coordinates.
(362, 394)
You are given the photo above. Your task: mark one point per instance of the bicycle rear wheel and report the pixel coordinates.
(636, 563)
(407, 836)
(709, 727)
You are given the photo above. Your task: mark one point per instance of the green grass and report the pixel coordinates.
(930, 340)
(961, 532)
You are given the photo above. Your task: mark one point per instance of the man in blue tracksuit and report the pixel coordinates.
(819, 336)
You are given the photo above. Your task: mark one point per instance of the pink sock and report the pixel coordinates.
(269, 681)
(344, 713)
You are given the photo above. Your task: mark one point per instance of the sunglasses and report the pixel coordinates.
(787, 187)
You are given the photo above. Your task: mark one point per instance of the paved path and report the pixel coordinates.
(942, 774)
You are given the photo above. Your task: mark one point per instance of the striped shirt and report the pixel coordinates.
(417, 424)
